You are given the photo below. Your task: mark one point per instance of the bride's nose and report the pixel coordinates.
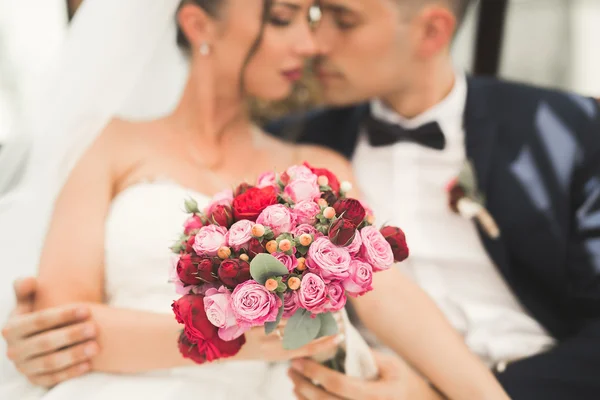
(306, 45)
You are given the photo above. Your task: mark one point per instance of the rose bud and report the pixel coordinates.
(350, 209)
(271, 285)
(284, 178)
(191, 206)
(322, 202)
(189, 245)
(258, 230)
(323, 180)
(187, 270)
(397, 240)
(221, 215)
(329, 212)
(271, 246)
(285, 245)
(244, 257)
(294, 283)
(301, 264)
(342, 232)
(305, 239)
(192, 224)
(254, 248)
(345, 187)
(224, 252)
(232, 272)
(241, 189)
(207, 270)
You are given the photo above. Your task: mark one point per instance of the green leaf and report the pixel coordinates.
(300, 330)
(281, 288)
(271, 326)
(328, 325)
(265, 266)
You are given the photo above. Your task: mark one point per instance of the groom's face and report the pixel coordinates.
(373, 48)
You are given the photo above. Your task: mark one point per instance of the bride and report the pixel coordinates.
(119, 208)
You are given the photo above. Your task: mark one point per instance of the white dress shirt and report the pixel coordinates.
(405, 184)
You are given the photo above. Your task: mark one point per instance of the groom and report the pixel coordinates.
(525, 296)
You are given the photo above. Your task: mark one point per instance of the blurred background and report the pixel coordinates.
(544, 42)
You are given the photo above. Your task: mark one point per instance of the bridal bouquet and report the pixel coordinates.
(291, 246)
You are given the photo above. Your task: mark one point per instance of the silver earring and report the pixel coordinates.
(204, 49)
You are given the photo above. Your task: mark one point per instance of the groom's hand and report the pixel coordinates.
(52, 345)
(397, 380)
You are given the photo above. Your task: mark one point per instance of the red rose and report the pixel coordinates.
(255, 247)
(342, 232)
(193, 270)
(189, 310)
(221, 215)
(251, 203)
(204, 351)
(396, 238)
(350, 209)
(234, 271)
(334, 183)
(241, 189)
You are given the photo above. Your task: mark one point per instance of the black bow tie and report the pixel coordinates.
(384, 134)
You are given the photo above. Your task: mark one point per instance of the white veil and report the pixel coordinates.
(119, 58)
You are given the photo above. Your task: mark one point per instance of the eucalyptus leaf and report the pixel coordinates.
(265, 266)
(300, 330)
(328, 325)
(271, 326)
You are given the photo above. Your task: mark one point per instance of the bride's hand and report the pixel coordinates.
(260, 346)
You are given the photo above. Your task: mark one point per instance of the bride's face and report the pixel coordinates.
(276, 64)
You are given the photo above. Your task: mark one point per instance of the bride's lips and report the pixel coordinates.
(293, 75)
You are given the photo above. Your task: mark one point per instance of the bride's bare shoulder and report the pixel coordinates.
(120, 131)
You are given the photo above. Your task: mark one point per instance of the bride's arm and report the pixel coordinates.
(409, 322)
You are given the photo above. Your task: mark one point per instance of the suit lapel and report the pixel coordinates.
(482, 127)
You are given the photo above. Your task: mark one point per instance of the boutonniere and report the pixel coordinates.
(466, 200)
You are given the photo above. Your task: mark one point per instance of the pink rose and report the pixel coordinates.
(312, 294)
(290, 304)
(375, 249)
(239, 235)
(223, 198)
(266, 179)
(306, 212)
(337, 297)
(192, 224)
(302, 190)
(328, 260)
(290, 262)
(209, 239)
(277, 217)
(217, 305)
(254, 305)
(361, 278)
(301, 172)
(354, 247)
(305, 228)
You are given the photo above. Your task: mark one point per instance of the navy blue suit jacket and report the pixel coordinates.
(536, 153)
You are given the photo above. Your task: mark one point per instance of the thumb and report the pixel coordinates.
(390, 365)
(25, 290)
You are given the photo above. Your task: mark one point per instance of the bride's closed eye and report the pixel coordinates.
(282, 14)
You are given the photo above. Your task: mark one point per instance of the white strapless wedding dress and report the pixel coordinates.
(143, 223)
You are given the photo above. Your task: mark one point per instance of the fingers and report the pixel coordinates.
(332, 381)
(21, 326)
(390, 366)
(59, 361)
(53, 379)
(318, 346)
(306, 390)
(25, 290)
(52, 341)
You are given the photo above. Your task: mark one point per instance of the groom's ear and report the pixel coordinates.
(435, 27)
(196, 24)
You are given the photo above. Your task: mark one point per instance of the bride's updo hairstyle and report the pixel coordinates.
(213, 8)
